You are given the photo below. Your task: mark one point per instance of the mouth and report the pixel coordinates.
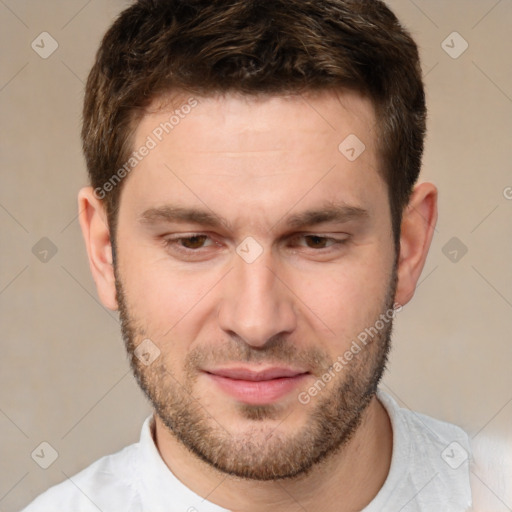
(257, 387)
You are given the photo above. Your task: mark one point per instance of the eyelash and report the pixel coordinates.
(174, 242)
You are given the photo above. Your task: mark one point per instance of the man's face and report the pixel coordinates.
(252, 252)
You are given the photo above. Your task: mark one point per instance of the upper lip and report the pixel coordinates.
(256, 375)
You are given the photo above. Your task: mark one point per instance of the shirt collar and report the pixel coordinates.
(159, 487)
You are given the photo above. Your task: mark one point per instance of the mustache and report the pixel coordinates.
(277, 351)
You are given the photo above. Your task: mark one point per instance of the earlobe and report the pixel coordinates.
(96, 233)
(418, 224)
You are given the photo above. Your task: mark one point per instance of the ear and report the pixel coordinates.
(93, 221)
(418, 224)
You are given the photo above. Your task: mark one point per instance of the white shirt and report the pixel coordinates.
(429, 472)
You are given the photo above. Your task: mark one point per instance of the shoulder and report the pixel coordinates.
(430, 462)
(438, 434)
(106, 483)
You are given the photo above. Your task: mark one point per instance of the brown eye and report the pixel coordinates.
(193, 242)
(316, 242)
(319, 243)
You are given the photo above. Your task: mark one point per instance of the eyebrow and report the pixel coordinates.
(329, 212)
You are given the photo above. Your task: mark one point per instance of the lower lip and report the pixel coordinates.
(258, 392)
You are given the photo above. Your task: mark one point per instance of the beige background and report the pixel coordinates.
(64, 378)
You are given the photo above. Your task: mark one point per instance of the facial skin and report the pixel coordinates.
(254, 164)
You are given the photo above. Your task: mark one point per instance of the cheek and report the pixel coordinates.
(172, 305)
(155, 293)
(342, 300)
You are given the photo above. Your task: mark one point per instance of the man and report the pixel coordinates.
(253, 216)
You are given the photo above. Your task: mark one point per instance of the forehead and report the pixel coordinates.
(257, 151)
(259, 121)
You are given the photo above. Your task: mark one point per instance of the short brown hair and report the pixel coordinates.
(253, 47)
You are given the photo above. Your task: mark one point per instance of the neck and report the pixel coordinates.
(347, 480)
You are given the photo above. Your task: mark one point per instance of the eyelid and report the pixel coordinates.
(184, 236)
(320, 235)
(335, 236)
(172, 241)
(335, 240)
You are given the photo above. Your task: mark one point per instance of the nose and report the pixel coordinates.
(256, 305)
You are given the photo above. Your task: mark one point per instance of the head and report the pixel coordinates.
(253, 165)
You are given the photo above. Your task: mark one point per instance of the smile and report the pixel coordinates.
(257, 387)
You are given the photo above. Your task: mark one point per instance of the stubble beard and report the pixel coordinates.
(262, 451)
